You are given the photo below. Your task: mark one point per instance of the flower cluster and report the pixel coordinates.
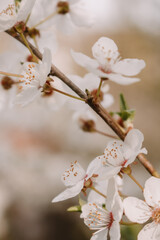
(28, 76)
(104, 213)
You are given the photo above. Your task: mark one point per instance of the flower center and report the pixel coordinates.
(156, 215)
(111, 219)
(9, 11)
(47, 89)
(62, 7)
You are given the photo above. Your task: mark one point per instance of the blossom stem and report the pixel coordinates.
(27, 45)
(27, 19)
(97, 191)
(105, 134)
(67, 94)
(99, 87)
(11, 74)
(139, 185)
(96, 107)
(44, 20)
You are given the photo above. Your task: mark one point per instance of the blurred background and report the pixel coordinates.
(38, 144)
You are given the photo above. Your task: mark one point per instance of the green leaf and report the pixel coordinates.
(123, 104)
(125, 115)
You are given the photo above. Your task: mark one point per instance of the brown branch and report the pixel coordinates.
(90, 101)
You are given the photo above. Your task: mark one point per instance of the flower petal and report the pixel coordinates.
(100, 235)
(129, 67)
(84, 60)
(152, 191)
(25, 9)
(73, 175)
(46, 65)
(134, 139)
(69, 192)
(95, 197)
(114, 232)
(136, 210)
(118, 78)
(27, 95)
(151, 231)
(105, 48)
(80, 16)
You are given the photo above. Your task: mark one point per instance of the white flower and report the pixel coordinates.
(12, 11)
(76, 179)
(64, 14)
(119, 154)
(35, 76)
(141, 211)
(107, 63)
(105, 220)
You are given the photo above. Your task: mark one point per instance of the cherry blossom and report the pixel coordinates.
(105, 220)
(65, 15)
(107, 63)
(35, 76)
(140, 211)
(119, 154)
(76, 179)
(12, 11)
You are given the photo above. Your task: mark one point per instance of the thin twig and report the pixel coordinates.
(105, 134)
(90, 101)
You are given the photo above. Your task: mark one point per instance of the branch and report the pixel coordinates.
(90, 101)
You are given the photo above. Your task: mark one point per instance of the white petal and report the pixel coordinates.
(103, 171)
(7, 20)
(27, 95)
(134, 139)
(94, 168)
(46, 64)
(105, 48)
(114, 153)
(136, 210)
(80, 16)
(101, 235)
(111, 192)
(25, 9)
(117, 209)
(69, 192)
(64, 23)
(108, 100)
(95, 197)
(152, 191)
(73, 175)
(151, 231)
(128, 67)
(114, 232)
(84, 60)
(118, 78)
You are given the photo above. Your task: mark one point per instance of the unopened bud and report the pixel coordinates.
(87, 125)
(62, 7)
(7, 82)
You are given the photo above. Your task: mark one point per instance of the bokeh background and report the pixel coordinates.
(37, 144)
